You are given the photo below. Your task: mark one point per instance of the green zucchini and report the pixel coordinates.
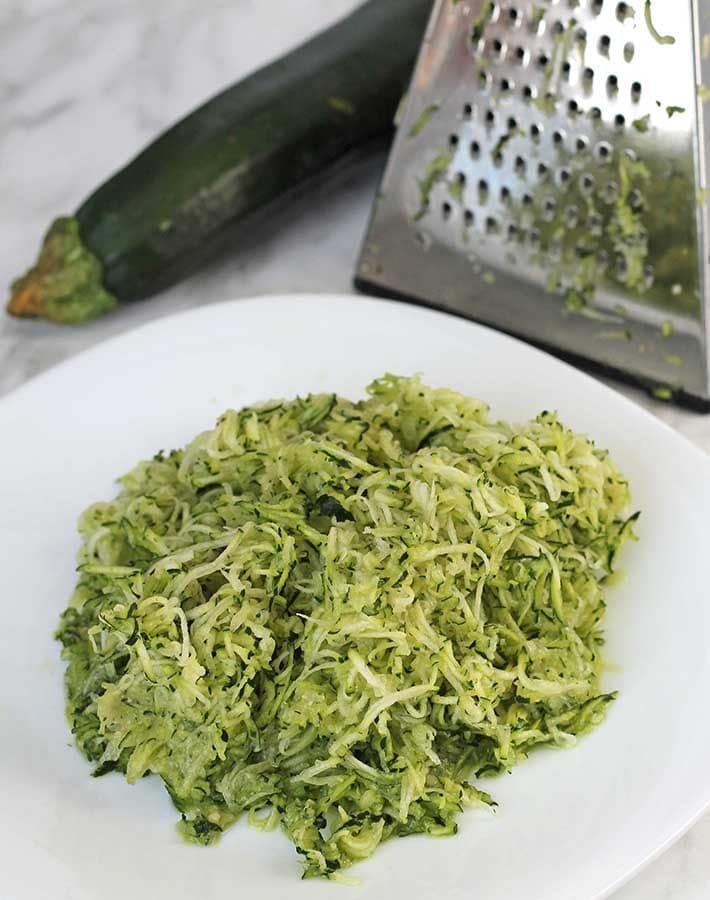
(179, 201)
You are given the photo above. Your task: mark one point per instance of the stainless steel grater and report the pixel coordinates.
(548, 178)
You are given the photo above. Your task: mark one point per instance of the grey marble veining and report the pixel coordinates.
(84, 84)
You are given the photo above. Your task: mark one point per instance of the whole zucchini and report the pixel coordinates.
(177, 203)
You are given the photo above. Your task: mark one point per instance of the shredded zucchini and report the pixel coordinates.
(435, 172)
(655, 34)
(423, 120)
(333, 615)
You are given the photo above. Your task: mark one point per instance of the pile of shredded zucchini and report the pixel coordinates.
(332, 615)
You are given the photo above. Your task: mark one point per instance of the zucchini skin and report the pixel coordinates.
(160, 217)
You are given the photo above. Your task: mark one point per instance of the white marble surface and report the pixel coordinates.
(83, 85)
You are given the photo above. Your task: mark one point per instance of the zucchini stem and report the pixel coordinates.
(65, 284)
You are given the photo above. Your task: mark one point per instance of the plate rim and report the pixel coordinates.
(365, 299)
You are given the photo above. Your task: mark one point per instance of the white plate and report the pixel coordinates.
(571, 825)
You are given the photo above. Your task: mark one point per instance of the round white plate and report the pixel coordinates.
(571, 825)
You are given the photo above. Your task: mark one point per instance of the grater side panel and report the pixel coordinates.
(701, 28)
(505, 168)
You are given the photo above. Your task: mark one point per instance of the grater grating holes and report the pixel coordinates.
(624, 11)
(636, 200)
(446, 211)
(514, 17)
(475, 150)
(563, 176)
(453, 141)
(497, 50)
(596, 7)
(636, 91)
(529, 93)
(492, 226)
(611, 192)
(468, 111)
(543, 171)
(612, 86)
(520, 167)
(468, 218)
(521, 56)
(573, 109)
(536, 132)
(571, 216)
(483, 192)
(629, 51)
(505, 195)
(595, 225)
(602, 152)
(619, 122)
(581, 144)
(630, 154)
(604, 45)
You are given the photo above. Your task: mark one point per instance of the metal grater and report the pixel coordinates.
(548, 178)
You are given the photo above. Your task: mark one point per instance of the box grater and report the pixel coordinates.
(549, 178)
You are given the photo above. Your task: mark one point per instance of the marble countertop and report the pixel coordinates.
(84, 84)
